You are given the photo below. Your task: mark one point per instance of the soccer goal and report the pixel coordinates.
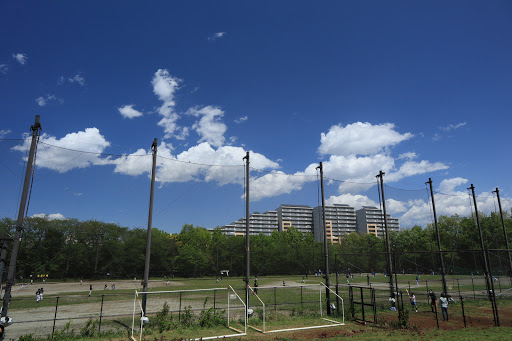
(279, 305)
(187, 306)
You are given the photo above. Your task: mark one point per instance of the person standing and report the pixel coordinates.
(392, 301)
(41, 293)
(444, 306)
(413, 301)
(433, 300)
(38, 296)
(90, 290)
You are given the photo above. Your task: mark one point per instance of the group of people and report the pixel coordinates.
(444, 299)
(39, 295)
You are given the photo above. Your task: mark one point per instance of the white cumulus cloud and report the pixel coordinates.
(216, 36)
(20, 58)
(52, 155)
(44, 100)
(453, 126)
(241, 120)
(127, 111)
(52, 216)
(4, 68)
(165, 87)
(78, 79)
(209, 127)
(360, 138)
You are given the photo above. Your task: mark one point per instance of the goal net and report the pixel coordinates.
(296, 307)
(194, 310)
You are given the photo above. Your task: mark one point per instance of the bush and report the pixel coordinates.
(211, 317)
(90, 329)
(163, 320)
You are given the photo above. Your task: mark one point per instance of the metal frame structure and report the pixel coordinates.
(143, 313)
(333, 323)
(362, 303)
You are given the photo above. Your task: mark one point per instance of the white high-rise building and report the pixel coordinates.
(370, 220)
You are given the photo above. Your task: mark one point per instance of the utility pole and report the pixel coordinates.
(326, 248)
(247, 245)
(388, 245)
(19, 227)
(488, 275)
(443, 273)
(497, 191)
(3, 258)
(150, 221)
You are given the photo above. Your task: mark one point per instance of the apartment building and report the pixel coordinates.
(340, 220)
(370, 220)
(264, 223)
(298, 216)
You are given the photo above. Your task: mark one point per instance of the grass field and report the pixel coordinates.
(68, 305)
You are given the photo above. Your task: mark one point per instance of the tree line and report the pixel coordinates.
(92, 249)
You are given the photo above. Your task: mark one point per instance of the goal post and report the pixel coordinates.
(234, 308)
(262, 293)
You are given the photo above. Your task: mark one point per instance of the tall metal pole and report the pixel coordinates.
(497, 191)
(488, 275)
(326, 248)
(19, 223)
(388, 245)
(3, 258)
(150, 221)
(443, 273)
(247, 245)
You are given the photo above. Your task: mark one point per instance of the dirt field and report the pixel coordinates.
(39, 320)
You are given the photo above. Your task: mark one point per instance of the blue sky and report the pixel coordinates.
(418, 89)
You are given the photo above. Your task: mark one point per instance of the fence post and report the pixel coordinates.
(362, 306)
(473, 285)
(458, 286)
(101, 312)
(55, 317)
(374, 303)
(302, 299)
(179, 311)
(437, 318)
(337, 300)
(463, 312)
(426, 282)
(499, 283)
(275, 299)
(214, 299)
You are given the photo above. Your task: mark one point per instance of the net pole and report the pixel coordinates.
(443, 273)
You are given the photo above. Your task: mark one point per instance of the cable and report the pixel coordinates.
(403, 189)
(87, 152)
(198, 164)
(28, 138)
(179, 196)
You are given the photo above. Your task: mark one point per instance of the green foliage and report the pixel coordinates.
(90, 329)
(187, 317)
(65, 334)
(211, 317)
(164, 321)
(89, 249)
